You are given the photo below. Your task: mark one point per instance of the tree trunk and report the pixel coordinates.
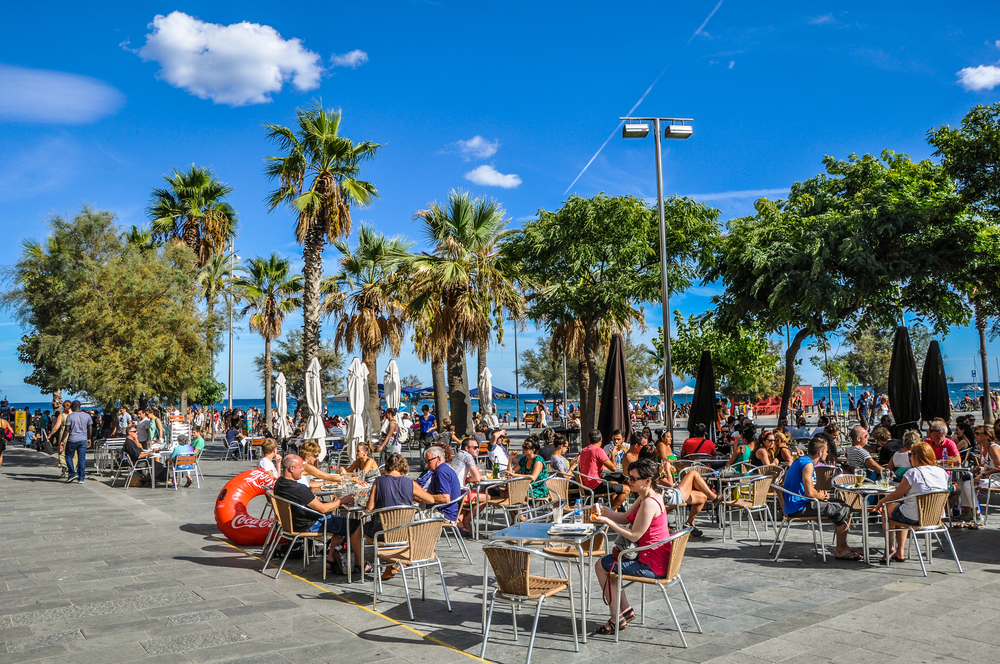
(790, 354)
(267, 383)
(583, 378)
(312, 273)
(184, 404)
(589, 403)
(987, 398)
(458, 383)
(483, 347)
(56, 403)
(210, 331)
(440, 388)
(371, 361)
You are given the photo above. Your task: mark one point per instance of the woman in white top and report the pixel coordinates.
(922, 477)
(989, 453)
(900, 461)
(269, 457)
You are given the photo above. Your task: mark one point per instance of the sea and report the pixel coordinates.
(528, 400)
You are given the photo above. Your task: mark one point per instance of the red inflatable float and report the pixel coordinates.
(231, 507)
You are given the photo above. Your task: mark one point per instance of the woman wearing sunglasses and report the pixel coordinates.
(644, 523)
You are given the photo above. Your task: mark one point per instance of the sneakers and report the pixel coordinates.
(696, 531)
(71, 479)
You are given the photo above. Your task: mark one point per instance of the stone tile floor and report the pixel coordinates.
(94, 574)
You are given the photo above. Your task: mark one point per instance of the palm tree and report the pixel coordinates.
(141, 238)
(193, 210)
(367, 293)
(464, 286)
(214, 281)
(270, 292)
(317, 179)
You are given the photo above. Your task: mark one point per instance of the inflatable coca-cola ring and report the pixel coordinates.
(231, 507)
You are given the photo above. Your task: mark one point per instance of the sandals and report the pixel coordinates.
(628, 616)
(608, 628)
(853, 555)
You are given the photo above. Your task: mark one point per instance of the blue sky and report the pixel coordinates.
(508, 99)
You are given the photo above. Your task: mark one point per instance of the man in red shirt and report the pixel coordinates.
(594, 460)
(697, 444)
(938, 439)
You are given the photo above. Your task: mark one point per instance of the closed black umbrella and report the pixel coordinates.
(904, 391)
(703, 409)
(934, 398)
(614, 394)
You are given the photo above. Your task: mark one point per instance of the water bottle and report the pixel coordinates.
(944, 457)
(578, 511)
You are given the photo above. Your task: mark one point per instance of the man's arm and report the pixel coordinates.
(872, 464)
(808, 490)
(90, 430)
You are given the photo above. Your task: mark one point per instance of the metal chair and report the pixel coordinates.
(930, 506)
(815, 523)
(988, 488)
(283, 516)
(516, 584)
(678, 543)
(516, 498)
(132, 468)
(389, 519)
(418, 554)
(755, 504)
(186, 465)
(452, 526)
(233, 449)
(824, 477)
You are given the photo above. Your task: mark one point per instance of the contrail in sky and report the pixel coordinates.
(648, 90)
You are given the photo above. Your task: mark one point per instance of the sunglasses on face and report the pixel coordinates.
(633, 479)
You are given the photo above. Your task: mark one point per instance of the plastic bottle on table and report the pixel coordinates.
(578, 511)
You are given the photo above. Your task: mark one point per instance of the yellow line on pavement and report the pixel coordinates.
(352, 602)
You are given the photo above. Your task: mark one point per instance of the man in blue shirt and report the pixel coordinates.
(799, 480)
(428, 425)
(445, 485)
(865, 409)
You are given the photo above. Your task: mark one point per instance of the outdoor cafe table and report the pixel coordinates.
(959, 469)
(866, 490)
(352, 511)
(536, 532)
(476, 488)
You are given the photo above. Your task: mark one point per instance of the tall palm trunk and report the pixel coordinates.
(371, 359)
(987, 396)
(267, 383)
(588, 400)
(458, 382)
(312, 272)
(440, 387)
(210, 331)
(483, 347)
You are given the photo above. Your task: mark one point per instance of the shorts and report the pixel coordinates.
(606, 488)
(628, 567)
(898, 516)
(335, 525)
(836, 511)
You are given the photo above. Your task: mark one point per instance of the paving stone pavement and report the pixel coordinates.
(90, 573)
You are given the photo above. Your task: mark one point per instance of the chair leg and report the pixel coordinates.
(781, 540)
(687, 598)
(572, 618)
(287, 553)
(406, 589)
(489, 619)
(461, 545)
(822, 544)
(534, 628)
(642, 604)
(444, 586)
(617, 614)
(673, 614)
(752, 522)
(954, 553)
(920, 556)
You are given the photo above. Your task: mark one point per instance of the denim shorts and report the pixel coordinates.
(898, 516)
(629, 567)
(335, 525)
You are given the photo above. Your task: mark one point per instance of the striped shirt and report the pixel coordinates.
(857, 456)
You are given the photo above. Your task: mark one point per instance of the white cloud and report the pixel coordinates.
(745, 193)
(238, 64)
(826, 19)
(983, 77)
(54, 97)
(731, 63)
(477, 147)
(354, 59)
(488, 176)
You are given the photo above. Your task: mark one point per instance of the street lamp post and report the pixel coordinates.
(675, 128)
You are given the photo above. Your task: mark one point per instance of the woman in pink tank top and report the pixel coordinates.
(645, 523)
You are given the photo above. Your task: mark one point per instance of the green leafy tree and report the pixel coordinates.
(208, 391)
(855, 246)
(411, 380)
(971, 155)
(269, 292)
(869, 354)
(588, 267)
(542, 368)
(463, 288)
(286, 357)
(367, 293)
(193, 210)
(642, 369)
(741, 357)
(317, 178)
(214, 283)
(81, 296)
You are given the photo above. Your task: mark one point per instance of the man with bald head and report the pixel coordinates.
(340, 528)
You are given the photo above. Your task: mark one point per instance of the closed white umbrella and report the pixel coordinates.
(281, 429)
(486, 397)
(314, 401)
(359, 424)
(392, 388)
